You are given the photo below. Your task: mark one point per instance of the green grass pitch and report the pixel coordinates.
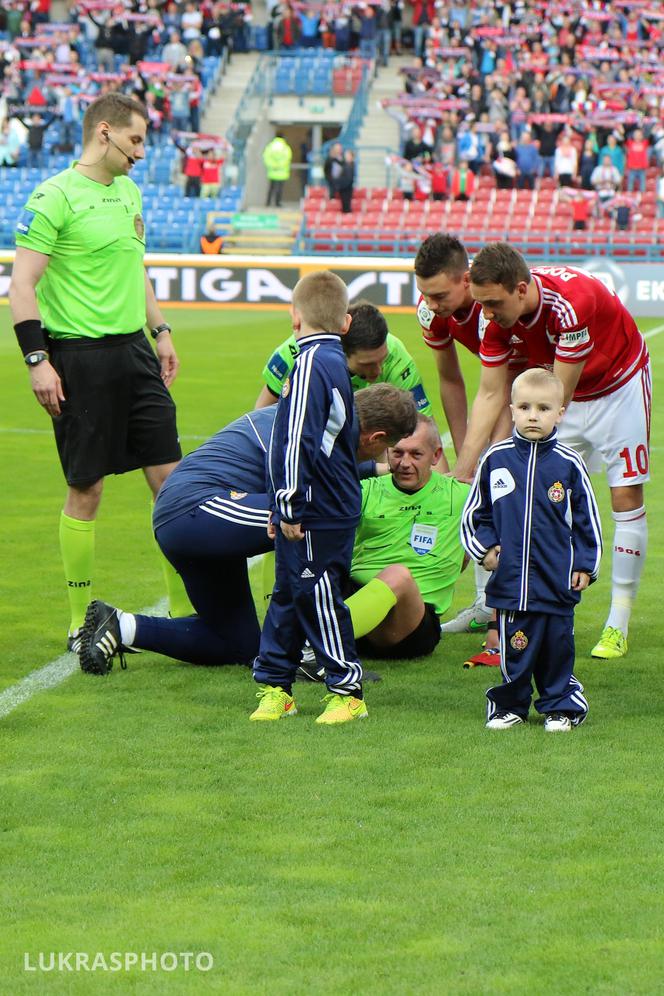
(411, 853)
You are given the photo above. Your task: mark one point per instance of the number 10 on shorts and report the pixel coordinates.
(639, 458)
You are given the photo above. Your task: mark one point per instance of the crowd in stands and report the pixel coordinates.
(528, 95)
(159, 53)
(571, 91)
(372, 29)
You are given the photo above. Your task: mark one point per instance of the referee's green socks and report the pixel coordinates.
(369, 606)
(77, 546)
(178, 600)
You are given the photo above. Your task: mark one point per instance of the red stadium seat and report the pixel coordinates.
(621, 244)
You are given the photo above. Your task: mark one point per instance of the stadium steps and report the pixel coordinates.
(380, 132)
(247, 240)
(222, 106)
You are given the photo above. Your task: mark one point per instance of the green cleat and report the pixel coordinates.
(274, 703)
(611, 645)
(342, 709)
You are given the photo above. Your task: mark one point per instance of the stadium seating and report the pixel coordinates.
(539, 222)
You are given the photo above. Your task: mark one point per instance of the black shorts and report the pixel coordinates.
(117, 414)
(422, 641)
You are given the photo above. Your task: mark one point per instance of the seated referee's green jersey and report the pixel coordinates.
(398, 369)
(419, 530)
(94, 283)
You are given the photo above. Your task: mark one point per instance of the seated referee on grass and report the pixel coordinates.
(407, 555)
(211, 515)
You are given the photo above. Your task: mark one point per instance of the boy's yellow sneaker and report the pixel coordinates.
(342, 709)
(611, 644)
(274, 703)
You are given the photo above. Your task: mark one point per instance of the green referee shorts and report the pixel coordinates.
(117, 414)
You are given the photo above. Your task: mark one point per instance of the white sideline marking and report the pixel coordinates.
(657, 329)
(52, 674)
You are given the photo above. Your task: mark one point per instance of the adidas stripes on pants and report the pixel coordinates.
(306, 604)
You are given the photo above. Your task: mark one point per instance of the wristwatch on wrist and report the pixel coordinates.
(33, 359)
(164, 327)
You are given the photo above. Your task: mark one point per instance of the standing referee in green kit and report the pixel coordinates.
(80, 298)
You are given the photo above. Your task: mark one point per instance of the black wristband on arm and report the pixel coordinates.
(30, 335)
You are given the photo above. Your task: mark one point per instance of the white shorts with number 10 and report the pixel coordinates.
(614, 431)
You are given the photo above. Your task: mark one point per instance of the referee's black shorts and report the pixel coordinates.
(117, 414)
(420, 643)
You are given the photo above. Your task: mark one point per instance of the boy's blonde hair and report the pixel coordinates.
(321, 298)
(538, 377)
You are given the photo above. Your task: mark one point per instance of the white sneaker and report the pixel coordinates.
(557, 722)
(474, 619)
(504, 720)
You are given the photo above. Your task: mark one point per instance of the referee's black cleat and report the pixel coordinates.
(101, 639)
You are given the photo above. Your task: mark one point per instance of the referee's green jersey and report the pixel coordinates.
(419, 530)
(94, 283)
(398, 369)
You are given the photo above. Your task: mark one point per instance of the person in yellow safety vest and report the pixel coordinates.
(211, 243)
(277, 156)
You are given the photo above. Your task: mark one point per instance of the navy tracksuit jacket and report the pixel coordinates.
(536, 501)
(313, 480)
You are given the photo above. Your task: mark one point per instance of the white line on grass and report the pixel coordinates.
(657, 329)
(52, 674)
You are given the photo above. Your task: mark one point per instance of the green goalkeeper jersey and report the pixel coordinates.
(94, 284)
(418, 529)
(398, 369)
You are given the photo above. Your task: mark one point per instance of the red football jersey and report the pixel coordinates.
(578, 318)
(439, 333)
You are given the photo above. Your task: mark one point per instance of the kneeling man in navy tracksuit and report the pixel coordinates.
(531, 519)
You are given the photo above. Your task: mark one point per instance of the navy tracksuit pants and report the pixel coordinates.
(208, 547)
(306, 604)
(539, 646)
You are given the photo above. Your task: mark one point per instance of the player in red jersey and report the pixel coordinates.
(448, 314)
(573, 323)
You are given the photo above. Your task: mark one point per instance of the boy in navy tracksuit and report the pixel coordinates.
(316, 498)
(531, 518)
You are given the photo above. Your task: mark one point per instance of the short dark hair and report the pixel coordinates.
(386, 408)
(441, 253)
(499, 263)
(368, 329)
(116, 108)
(433, 432)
